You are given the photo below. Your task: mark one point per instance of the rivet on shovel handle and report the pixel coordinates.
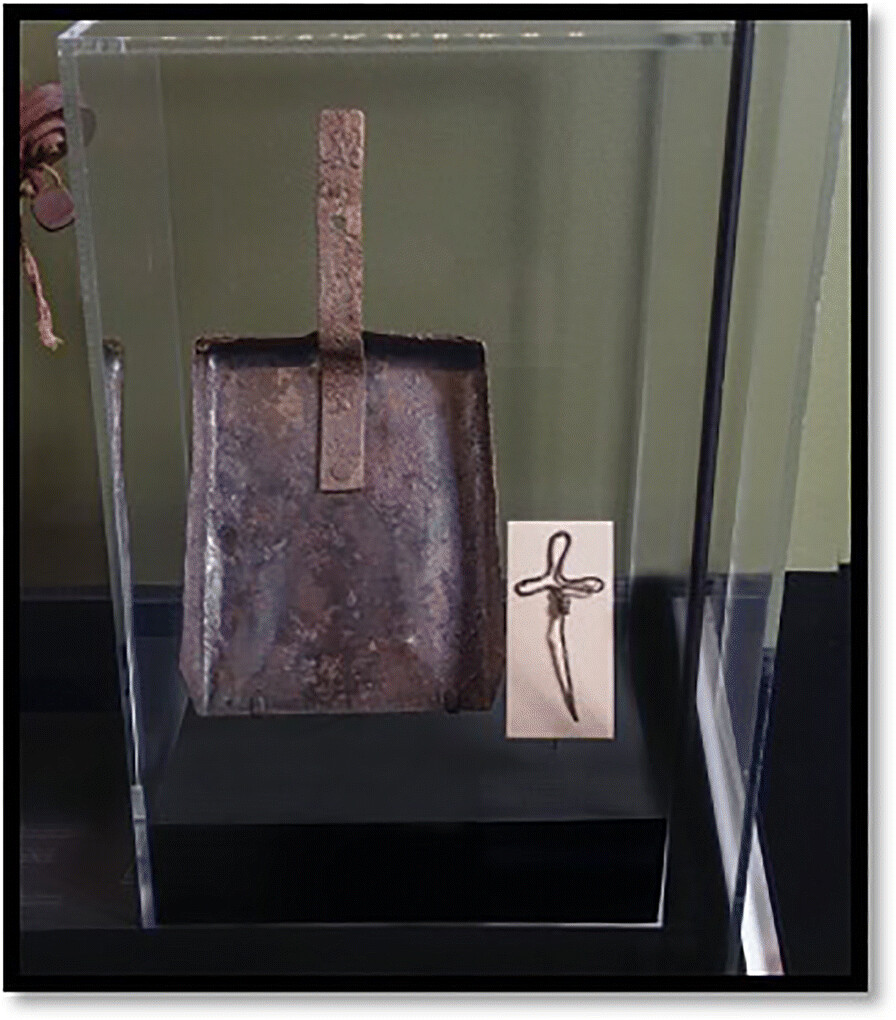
(340, 285)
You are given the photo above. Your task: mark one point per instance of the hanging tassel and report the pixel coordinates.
(42, 142)
(44, 316)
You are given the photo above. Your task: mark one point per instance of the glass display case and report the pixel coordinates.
(627, 215)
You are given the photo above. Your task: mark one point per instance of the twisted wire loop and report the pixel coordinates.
(561, 590)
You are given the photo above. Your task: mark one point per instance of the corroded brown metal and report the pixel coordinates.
(383, 599)
(342, 548)
(340, 284)
(113, 377)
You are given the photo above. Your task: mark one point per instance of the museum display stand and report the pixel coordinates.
(627, 215)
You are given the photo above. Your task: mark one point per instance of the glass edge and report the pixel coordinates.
(761, 689)
(837, 124)
(411, 37)
(74, 32)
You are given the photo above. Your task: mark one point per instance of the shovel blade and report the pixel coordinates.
(298, 600)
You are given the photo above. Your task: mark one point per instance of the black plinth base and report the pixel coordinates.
(519, 872)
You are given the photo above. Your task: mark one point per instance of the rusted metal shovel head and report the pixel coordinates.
(296, 599)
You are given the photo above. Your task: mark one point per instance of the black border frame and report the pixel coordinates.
(511, 947)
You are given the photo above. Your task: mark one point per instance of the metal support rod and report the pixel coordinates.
(723, 278)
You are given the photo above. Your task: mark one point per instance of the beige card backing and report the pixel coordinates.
(541, 702)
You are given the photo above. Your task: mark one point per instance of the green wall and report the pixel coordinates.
(523, 204)
(820, 536)
(62, 539)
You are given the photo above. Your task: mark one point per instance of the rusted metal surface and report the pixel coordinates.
(340, 283)
(113, 377)
(388, 598)
(342, 550)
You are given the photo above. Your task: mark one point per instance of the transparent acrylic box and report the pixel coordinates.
(553, 189)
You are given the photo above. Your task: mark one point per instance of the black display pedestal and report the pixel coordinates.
(389, 905)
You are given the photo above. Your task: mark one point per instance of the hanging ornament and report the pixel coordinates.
(42, 143)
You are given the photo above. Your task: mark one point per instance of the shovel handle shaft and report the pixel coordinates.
(340, 286)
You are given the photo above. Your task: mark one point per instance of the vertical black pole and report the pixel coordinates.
(723, 277)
